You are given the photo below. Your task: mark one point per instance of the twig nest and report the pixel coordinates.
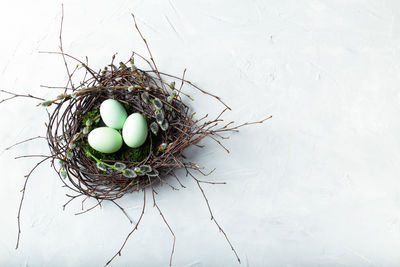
(85, 128)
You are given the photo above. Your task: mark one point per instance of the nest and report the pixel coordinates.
(110, 176)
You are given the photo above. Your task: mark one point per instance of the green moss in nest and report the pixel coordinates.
(90, 115)
(124, 154)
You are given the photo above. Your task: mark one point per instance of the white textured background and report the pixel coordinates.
(318, 185)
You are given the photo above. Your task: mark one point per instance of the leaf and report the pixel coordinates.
(46, 103)
(129, 173)
(154, 128)
(119, 166)
(164, 125)
(159, 116)
(85, 130)
(101, 166)
(72, 145)
(70, 155)
(157, 103)
(63, 173)
(163, 146)
(145, 97)
(61, 163)
(145, 168)
(139, 171)
(76, 136)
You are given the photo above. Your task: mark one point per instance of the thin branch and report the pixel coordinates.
(166, 223)
(123, 210)
(196, 87)
(27, 140)
(18, 95)
(23, 196)
(131, 232)
(223, 129)
(62, 51)
(148, 50)
(215, 221)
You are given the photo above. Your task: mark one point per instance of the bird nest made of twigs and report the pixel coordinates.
(110, 176)
(172, 127)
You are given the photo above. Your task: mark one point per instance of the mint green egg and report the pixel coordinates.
(135, 130)
(105, 140)
(113, 113)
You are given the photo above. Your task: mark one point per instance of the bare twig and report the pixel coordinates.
(23, 196)
(166, 223)
(18, 95)
(215, 221)
(131, 232)
(24, 141)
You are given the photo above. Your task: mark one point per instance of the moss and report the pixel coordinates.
(135, 154)
(125, 153)
(128, 109)
(90, 115)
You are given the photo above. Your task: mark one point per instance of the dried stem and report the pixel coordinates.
(24, 141)
(213, 218)
(131, 232)
(23, 196)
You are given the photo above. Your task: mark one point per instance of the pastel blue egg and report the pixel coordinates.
(105, 140)
(113, 113)
(135, 130)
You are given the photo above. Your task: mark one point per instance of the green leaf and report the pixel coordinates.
(160, 116)
(164, 125)
(129, 173)
(46, 103)
(70, 155)
(63, 173)
(101, 166)
(72, 145)
(119, 166)
(163, 146)
(145, 97)
(145, 168)
(157, 103)
(154, 128)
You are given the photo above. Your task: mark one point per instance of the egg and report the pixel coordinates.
(105, 139)
(135, 130)
(113, 113)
